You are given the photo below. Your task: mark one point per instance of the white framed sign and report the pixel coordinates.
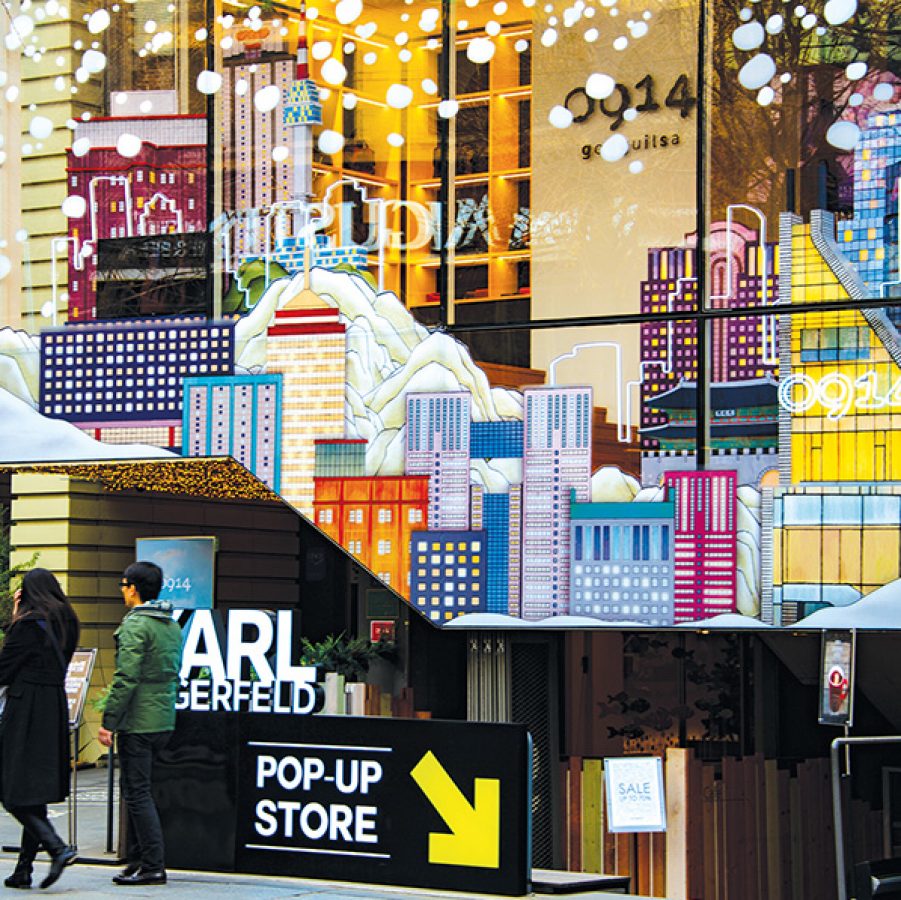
(837, 656)
(635, 796)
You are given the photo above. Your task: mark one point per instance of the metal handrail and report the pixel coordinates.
(838, 824)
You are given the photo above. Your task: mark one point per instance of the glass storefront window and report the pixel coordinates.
(391, 229)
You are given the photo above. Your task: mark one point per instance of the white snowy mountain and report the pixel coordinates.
(498, 622)
(879, 609)
(611, 485)
(389, 354)
(748, 521)
(27, 436)
(19, 364)
(501, 622)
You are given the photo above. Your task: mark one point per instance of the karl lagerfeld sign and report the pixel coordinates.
(242, 787)
(244, 662)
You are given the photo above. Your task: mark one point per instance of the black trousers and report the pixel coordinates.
(144, 841)
(36, 830)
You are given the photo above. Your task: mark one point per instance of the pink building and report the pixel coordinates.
(705, 547)
(160, 190)
(742, 349)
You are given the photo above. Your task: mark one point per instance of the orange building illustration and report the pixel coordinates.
(373, 517)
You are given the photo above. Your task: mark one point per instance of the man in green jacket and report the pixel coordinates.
(140, 709)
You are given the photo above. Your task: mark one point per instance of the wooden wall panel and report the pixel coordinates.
(737, 829)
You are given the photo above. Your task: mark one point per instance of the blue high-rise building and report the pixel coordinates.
(496, 440)
(870, 239)
(447, 573)
(496, 523)
(237, 416)
(622, 561)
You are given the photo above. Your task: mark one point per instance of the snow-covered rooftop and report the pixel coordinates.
(27, 436)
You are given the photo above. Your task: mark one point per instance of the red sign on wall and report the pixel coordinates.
(381, 628)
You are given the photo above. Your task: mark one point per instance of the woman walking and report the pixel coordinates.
(34, 730)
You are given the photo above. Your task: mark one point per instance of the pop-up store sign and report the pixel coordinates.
(242, 662)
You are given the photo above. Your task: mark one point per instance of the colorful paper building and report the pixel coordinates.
(448, 573)
(238, 416)
(160, 190)
(123, 381)
(622, 562)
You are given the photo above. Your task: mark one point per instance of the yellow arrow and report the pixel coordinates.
(475, 836)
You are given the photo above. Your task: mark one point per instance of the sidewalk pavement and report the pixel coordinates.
(93, 879)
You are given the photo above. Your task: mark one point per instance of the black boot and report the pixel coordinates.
(64, 857)
(21, 876)
(34, 820)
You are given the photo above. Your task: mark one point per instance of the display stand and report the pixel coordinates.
(71, 800)
(78, 680)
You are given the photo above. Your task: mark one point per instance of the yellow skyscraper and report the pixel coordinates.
(843, 389)
(307, 346)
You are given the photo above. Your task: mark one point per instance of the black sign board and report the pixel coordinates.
(418, 803)
(381, 604)
(147, 298)
(78, 680)
(188, 250)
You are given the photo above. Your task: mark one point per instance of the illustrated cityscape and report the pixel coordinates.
(458, 505)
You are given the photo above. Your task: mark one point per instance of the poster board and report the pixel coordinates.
(837, 660)
(78, 680)
(635, 797)
(189, 568)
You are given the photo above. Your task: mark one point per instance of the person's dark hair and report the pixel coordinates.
(147, 578)
(43, 598)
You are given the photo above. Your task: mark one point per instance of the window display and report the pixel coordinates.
(584, 310)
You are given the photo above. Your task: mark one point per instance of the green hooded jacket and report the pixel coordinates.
(148, 658)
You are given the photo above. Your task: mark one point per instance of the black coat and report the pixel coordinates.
(34, 730)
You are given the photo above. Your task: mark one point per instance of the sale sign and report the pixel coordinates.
(635, 798)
